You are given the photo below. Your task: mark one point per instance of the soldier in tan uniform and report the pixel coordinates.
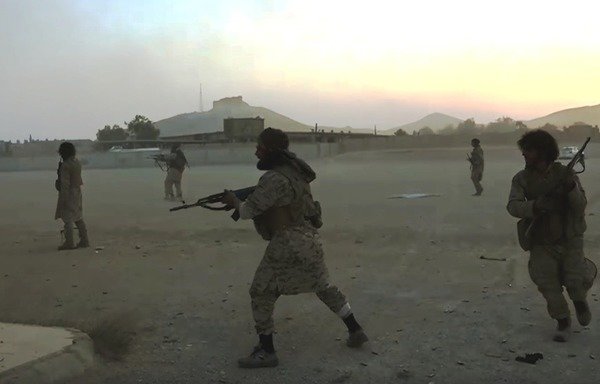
(69, 207)
(176, 163)
(550, 195)
(476, 160)
(285, 214)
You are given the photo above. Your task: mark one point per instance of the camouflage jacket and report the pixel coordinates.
(477, 158)
(528, 185)
(282, 199)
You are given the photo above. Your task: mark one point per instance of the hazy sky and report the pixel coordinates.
(70, 67)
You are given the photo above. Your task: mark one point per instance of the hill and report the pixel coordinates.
(435, 121)
(212, 121)
(589, 115)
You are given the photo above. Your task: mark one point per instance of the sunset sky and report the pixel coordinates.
(71, 67)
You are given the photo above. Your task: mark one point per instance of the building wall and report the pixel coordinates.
(228, 153)
(243, 129)
(243, 153)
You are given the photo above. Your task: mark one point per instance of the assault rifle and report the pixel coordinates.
(209, 201)
(160, 161)
(578, 158)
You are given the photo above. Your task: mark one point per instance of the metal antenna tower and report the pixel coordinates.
(200, 102)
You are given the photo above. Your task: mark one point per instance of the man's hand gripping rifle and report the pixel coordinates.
(209, 201)
(578, 158)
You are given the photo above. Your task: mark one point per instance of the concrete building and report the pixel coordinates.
(243, 129)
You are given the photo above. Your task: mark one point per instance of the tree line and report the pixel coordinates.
(140, 128)
(500, 125)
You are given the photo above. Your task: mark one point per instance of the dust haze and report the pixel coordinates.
(434, 310)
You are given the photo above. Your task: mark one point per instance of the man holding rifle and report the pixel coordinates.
(476, 160)
(285, 214)
(176, 163)
(549, 199)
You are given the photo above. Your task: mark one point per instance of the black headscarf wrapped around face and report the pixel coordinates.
(66, 150)
(276, 142)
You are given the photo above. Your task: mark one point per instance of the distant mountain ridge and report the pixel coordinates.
(566, 117)
(212, 121)
(435, 121)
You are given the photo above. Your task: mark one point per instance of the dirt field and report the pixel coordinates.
(435, 312)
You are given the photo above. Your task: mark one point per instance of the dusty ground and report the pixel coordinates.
(434, 311)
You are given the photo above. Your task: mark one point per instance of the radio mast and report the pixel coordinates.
(200, 102)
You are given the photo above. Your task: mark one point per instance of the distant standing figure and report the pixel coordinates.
(176, 163)
(70, 207)
(476, 160)
(550, 201)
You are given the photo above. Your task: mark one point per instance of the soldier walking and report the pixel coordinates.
(69, 207)
(476, 160)
(550, 194)
(285, 214)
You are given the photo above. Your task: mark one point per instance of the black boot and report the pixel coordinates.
(68, 233)
(584, 316)
(263, 355)
(356, 336)
(563, 330)
(84, 242)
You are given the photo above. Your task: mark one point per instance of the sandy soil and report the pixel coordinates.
(435, 312)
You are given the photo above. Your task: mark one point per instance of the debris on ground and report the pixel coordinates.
(530, 358)
(414, 195)
(404, 374)
(492, 258)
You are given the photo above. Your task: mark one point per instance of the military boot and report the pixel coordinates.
(584, 316)
(563, 330)
(68, 243)
(259, 358)
(84, 242)
(356, 339)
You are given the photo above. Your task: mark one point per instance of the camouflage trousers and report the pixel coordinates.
(173, 178)
(553, 266)
(476, 177)
(293, 263)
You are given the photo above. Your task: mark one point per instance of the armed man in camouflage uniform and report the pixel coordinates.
(476, 160)
(550, 194)
(176, 163)
(285, 214)
(69, 207)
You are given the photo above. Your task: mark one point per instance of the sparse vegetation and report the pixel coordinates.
(113, 336)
